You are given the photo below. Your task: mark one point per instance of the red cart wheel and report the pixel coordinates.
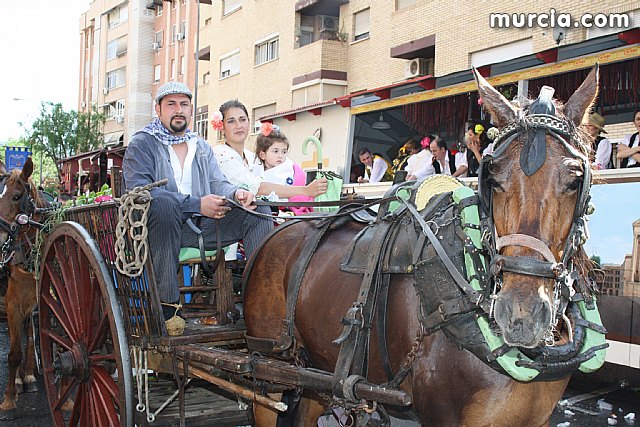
(82, 336)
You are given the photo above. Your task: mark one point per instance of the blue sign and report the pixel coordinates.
(15, 157)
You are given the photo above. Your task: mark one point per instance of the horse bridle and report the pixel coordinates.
(27, 209)
(561, 271)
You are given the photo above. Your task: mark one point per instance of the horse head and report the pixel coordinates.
(535, 191)
(18, 195)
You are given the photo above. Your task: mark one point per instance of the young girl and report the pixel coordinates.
(273, 164)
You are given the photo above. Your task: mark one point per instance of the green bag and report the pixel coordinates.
(334, 188)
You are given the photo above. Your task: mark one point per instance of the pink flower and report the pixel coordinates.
(266, 128)
(216, 121)
(480, 101)
(104, 198)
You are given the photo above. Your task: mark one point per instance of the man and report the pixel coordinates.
(166, 148)
(376, 169)
(442, 161)
(600, 146)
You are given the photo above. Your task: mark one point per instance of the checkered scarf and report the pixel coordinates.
(157, 129)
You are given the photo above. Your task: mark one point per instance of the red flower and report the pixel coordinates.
(216, 121)
(266, 128)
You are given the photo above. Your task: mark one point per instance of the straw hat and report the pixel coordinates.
(597, 120)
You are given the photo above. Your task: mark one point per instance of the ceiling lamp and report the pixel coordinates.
(381, 124)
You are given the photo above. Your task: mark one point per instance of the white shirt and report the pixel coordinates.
(182, 174)
(428, 169)
(418, 160)
(377, 170)
(603, 154)
(627, 142)
(235, 169)
(281, 174)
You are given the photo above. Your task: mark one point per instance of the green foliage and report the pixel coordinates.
(103, 195)
(596, 260)
(57, 134)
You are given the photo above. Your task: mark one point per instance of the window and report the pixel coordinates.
(402, 4)
(229, 6)
(183, 28)
(115, 78)
(173, 69)
(156, 73)
(361, 25)
(266, 50)
(206, 77)
(503, 52)
(230, 64)
(174, 33)
(159, 39)
(183, 2)
(265, 110)
(112, 49)
(120, 107)
(202, 125)
(159, 10)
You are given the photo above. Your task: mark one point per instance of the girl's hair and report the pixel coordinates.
(263, 143)
(232, 103)
(635, 114)
(412, 144)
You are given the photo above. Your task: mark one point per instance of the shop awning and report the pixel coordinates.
(113, 138)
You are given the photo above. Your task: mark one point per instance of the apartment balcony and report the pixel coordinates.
(321, 55)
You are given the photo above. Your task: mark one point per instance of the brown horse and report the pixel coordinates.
(19, 195)
(533, 190)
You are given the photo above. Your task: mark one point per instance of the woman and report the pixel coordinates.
(236, 161)
(629, 150)
(478, 144)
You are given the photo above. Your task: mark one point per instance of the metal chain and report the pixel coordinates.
(134, 204)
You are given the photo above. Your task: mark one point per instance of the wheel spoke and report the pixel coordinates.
(60, 315)
(92, 299)
(100, 334)
(62, 254)
(64, 396)
(97, 358)
(78, 407)
(61, 341)
(106, 390)
(62, 297)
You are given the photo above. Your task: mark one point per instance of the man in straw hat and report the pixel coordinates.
(601, 146)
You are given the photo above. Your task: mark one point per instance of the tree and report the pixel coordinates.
(596, 260)
(58, 134)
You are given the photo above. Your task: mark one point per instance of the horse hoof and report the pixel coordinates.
(19, 388)
(9, 415)
(31, 388)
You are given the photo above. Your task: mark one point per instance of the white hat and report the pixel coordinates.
(172, 88)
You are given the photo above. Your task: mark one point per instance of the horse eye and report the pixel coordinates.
(574, 185)
(17, 197)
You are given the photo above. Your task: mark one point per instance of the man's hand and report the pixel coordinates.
(213, 206)
(317, 187)
(245, 198)
(362, 180)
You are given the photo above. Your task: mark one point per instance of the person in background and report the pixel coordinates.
(478, 144)
(273, 164)
(601, 146)
(167, 148)
(442, 161)
(376, 168)
(236, 161)
(629, 150)
(420, 159)
(408, 149)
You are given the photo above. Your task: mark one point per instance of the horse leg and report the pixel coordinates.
(264, 416)
(30, 385)
(15, 321)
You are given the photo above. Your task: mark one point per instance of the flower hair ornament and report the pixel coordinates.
(216, 121)
(426, 141)
(478, 129)
(492, 133)
(267, 128)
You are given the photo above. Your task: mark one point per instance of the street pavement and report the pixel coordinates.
(587, 403)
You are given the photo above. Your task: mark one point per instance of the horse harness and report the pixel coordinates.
(22, 250)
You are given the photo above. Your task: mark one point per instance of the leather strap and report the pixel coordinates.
(525, 241)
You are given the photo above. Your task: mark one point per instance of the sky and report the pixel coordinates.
(617, 207)
(40, 41)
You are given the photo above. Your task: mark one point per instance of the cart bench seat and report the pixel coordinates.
(198, 333)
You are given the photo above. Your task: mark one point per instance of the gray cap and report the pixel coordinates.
(172, 88)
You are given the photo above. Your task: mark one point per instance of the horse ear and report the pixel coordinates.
(581, 101)
(3, 168)
(27, 169)
(502, 111)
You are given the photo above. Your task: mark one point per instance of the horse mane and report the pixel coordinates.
(15, 177)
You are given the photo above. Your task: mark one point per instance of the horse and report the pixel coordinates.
(18, 195)
(533, 194)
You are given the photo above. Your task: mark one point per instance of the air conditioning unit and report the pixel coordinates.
(327, 23)
(418, 67)
(156, 46)
(180, 36)
(120, 119)
(105, 90)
